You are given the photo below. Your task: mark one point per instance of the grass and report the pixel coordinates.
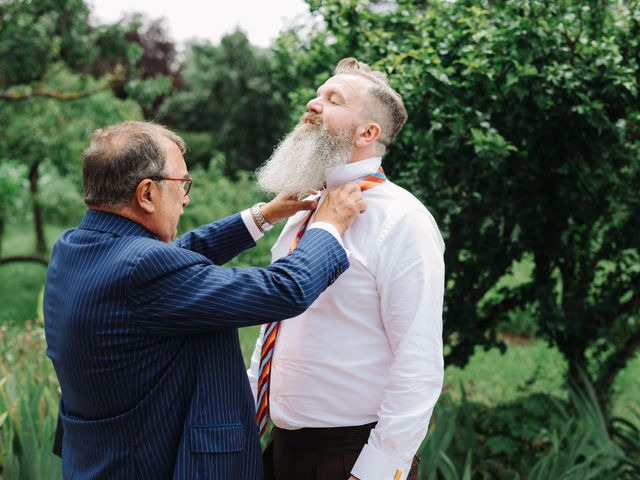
(626, 391)
(525, 368)
(21, 282)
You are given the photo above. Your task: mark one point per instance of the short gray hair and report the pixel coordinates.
(385, 105)
(119, 157)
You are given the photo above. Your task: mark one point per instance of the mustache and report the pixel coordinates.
(311, 118)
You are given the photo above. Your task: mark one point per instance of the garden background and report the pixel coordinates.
(523, 140)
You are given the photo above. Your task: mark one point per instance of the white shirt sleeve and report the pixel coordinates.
(247, 218)
(410, 282)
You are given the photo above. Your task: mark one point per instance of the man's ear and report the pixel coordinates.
(367, 134)
(145, 195)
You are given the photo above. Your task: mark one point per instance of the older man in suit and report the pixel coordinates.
(142, 332)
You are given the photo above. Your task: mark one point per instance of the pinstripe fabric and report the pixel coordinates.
(143, 338)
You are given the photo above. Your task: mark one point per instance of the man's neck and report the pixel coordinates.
(128, 211)
(359, 154)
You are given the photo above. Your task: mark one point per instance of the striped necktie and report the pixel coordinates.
(271, 330)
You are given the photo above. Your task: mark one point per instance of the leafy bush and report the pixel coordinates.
(29, 396)
(584, 449)
(62, 202)
(515, 434)
(214, 196)
(538, 437)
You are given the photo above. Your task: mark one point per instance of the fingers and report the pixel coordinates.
(296, 203)
(351, 189)
(308, 205)
(283, 206)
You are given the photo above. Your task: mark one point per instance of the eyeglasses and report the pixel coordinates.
(186, 182)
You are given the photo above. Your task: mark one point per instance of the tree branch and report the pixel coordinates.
(24, 258)
(64, 96)
(116, 77)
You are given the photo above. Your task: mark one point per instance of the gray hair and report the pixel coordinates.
(385, 105)
(119, 157)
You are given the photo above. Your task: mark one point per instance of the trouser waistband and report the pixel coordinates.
(330, 437)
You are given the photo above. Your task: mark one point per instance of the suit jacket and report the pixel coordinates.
(143, 337)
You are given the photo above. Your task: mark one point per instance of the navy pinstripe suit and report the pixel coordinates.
(142, 335)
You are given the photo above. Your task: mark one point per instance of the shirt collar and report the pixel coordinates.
(352, 171)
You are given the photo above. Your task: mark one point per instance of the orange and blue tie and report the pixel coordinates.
(271, 330)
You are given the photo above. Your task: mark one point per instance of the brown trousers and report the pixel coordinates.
(317, 453)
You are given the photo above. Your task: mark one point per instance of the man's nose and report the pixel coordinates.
(314, 105)
(185, 200)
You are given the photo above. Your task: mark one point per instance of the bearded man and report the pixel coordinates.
(350, 385)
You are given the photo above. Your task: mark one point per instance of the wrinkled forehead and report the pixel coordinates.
(351, 87)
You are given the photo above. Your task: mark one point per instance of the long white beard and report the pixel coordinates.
(300, 162)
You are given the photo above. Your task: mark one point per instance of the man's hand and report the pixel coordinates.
(341, 207)
(283, 206)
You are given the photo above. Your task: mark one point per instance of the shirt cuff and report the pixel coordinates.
(247, 218)
(331, 229)
(372, 464)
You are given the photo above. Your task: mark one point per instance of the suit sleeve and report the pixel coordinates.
(219, 241)
(174, 291)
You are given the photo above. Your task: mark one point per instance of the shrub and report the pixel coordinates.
(214, 196)
(29, 395)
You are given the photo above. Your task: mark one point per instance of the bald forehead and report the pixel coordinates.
(175, 164)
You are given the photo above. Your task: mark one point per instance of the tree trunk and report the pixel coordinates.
(574, 353)
(41, 243)
(577, 365)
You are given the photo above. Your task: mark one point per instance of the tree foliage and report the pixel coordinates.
(524, 140)
(142, 51)
(35, 34)
(49, 99)
(228, 94)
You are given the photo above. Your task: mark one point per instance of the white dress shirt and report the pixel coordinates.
(369, 349)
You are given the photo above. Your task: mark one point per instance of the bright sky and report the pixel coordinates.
(261, 20)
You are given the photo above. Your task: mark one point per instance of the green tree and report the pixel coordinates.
(524, 140)
(49, 57)
(45, 134)
(149, 71)
(228, 94)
